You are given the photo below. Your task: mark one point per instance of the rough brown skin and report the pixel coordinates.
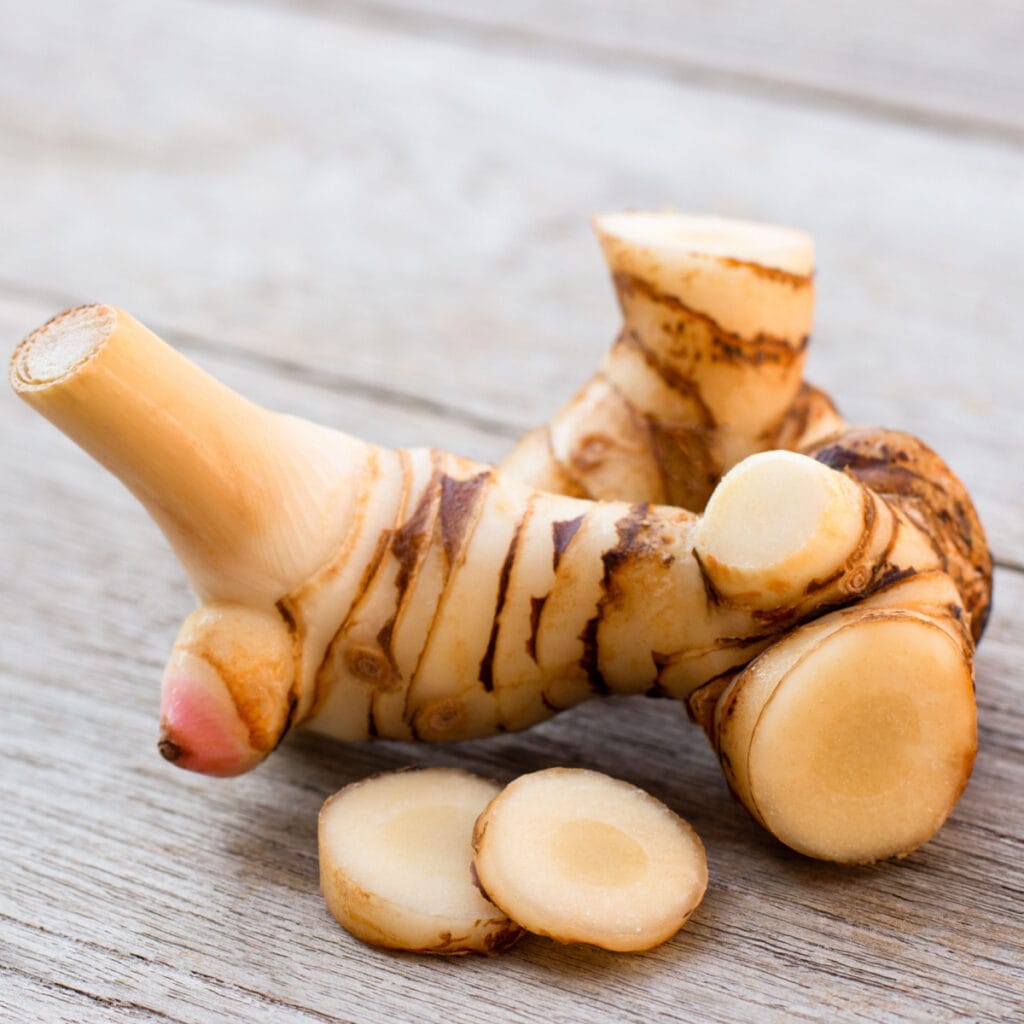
(910, 476)
(468, 604)
(644, 571)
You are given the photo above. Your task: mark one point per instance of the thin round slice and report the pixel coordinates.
(395, 856)
(582, 857)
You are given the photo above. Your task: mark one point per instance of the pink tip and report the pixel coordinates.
(200, 728)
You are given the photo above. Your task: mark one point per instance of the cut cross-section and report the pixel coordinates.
(582, 857)
(778, 526)
(852, 738)
(395, 856)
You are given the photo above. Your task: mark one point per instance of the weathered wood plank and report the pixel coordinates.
(950, 65)
(411, 213)
(387, 234)
(169, 908)
(62, 1004)
(159, 895)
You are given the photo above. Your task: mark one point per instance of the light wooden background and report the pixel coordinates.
(375, 214)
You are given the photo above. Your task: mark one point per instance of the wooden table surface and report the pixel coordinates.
(375, 214)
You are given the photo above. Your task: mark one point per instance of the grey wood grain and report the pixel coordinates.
(938, 63)
(387, 233)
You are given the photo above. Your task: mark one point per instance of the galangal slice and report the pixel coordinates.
(395, 856)
(582, 857)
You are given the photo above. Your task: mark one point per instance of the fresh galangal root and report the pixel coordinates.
(412, 594)
(581, 857)
(707, 368)
(395, 856)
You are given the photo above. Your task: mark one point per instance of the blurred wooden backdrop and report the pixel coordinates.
(375, 214)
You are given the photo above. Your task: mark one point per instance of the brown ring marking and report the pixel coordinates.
(658, 432)
(628, 527)
(465, 507)
(294, 600)
(370, 572)
(459, 507)
(409, 544)
(562, 533)
(764, 347)
(789, 277)
(220, 669)
(297, 632)
(536, 611)
(643, 423)
(486, 672)
(670, 377)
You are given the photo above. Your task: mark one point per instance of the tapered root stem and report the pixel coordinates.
(238, 491)
(243, 496)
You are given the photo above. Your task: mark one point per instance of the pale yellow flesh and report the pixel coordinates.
(679, 235)
(395, 856)
(777, 523)
(581, 857)
(855, 744)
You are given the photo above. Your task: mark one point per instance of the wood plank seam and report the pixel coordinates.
(123, 955)
(106, 1002)
(589, 53)
(294, 370)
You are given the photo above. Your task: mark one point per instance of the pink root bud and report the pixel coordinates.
(200, 727)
